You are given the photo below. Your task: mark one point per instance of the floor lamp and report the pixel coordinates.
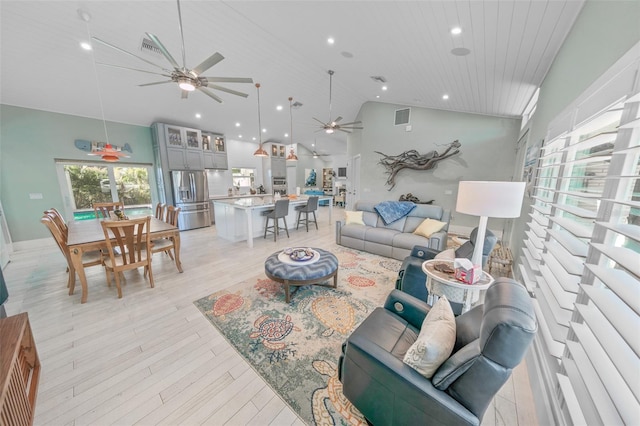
(488, 199)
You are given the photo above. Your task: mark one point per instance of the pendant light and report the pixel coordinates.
(108, 153)
(260, 152)
(292, 155)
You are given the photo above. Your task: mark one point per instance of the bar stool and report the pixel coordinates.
(310, 207)
(279, 212)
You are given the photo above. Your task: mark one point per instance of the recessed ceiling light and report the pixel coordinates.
(377, 96)
(286, 135)
(198, 115)
(253, 138)
(237, 124)
(86, 46)
(313, 144)
(445, 97)
(279, 107)
(264, 130)
(384, 87)
(331, 40)
(239, 136)
(460, 51)
(456, 30)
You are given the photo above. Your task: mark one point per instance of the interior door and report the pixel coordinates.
(353, 184)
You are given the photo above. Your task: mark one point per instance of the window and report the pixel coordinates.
(83, 184)
(243, 177)
(581, 257)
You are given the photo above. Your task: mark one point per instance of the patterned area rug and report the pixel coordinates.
(295, 347)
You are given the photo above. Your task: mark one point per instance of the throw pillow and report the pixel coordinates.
(354, 218)
(448, 254)
(436, 340)
(428, 227)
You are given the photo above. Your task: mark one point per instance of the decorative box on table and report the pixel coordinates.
(466, 272)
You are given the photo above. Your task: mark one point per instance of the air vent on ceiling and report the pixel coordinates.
(402, 116)
(150, 47)
(378, 79)
(296, 105)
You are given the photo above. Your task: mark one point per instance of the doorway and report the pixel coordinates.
(353, 184)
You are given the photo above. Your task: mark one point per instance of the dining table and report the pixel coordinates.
(87, 235)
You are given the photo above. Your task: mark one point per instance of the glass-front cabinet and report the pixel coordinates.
(214, 149)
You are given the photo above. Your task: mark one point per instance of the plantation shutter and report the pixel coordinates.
(581, 254)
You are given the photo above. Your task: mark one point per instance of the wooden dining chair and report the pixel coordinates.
(129, 247)
(160, 211)
(58, 219)
(91, 258)
(102, 209)
(167, 244)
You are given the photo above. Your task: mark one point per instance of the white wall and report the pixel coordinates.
(239, 155)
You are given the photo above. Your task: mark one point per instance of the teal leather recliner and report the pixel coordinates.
(491, 340)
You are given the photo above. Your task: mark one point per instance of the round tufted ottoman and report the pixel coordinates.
(302, 273)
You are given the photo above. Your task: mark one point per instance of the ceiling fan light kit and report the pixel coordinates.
(188, 80)
(332, 125)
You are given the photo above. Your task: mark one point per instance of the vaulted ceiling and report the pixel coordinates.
(283, 46)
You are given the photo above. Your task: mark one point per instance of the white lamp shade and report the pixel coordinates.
(490, 199)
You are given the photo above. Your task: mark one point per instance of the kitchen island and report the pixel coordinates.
(240, 219)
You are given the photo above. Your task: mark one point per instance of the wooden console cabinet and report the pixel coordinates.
(19, 371)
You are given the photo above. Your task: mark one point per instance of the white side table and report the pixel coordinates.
(439, 283)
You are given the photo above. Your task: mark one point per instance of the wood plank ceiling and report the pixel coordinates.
(283, 45)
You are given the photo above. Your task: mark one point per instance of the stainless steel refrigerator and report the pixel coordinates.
(191, 194)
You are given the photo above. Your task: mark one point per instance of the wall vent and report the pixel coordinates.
(402, 116)
(150, 47)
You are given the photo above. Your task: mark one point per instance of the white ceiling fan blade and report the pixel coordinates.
(156, 82)
(132, 69)
(321, 122)
(224, 89)
(210, 94)
(343, 130)
(228, 79)
(349, 124)
(337, 119)
(207, 63)
(184, 94)
(128, 53)
(164, 50)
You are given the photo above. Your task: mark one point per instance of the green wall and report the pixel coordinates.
(487, 153)
(30, 140)
(603, 32)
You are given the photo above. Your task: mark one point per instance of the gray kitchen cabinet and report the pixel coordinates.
(214, 149)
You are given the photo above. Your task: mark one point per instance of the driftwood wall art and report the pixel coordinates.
(413, 160)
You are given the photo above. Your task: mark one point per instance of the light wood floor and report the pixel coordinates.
(151, 357)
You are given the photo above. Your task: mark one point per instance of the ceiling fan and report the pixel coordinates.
(187, 79)
(333, 125)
